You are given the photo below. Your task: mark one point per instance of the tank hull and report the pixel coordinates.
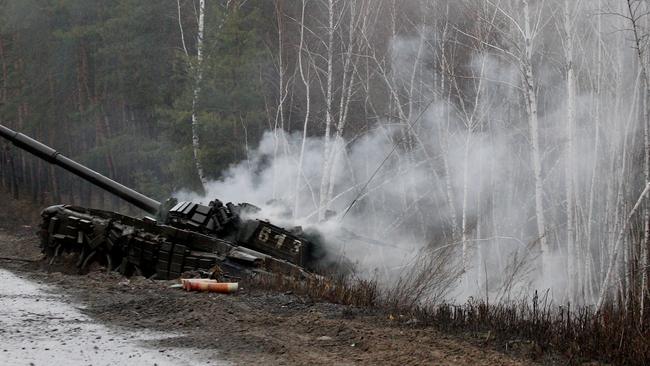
(145, 247)
(186, 236)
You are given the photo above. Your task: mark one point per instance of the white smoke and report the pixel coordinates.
(268, 180)
(484, 171)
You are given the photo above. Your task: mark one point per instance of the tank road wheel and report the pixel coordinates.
(87, 261)
(57, 252)
(81, 257)
(109, 263)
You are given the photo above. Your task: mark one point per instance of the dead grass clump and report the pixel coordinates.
(614, 334)
(430, 277)
(338, 289)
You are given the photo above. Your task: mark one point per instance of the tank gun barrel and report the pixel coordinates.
(53, 157)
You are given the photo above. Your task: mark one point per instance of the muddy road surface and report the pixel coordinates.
(39, 326)
(47, 317)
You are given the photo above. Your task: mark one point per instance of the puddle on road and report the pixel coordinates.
(39, 327)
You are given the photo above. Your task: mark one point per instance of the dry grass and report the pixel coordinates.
(615, 335)
(430, 277)
(338, 289)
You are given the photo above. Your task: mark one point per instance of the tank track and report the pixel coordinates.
(145, 247)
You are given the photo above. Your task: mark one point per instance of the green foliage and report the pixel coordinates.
(230, 107)
(108, 83)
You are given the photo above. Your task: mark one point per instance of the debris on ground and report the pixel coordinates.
(209, 285)
(255, 327)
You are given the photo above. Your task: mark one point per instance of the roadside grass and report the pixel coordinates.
(618, 334)
(344, 289)
(615, 335)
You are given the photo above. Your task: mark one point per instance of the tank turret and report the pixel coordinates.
(188, 236)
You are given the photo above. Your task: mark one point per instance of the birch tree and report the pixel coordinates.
(197, 74)
(569, 16)
(329, 59)
(636, 11)
(304, 76)
(520, 36)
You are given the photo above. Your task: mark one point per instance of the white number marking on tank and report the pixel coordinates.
(297, 244)
(264, 234)
(280, 240)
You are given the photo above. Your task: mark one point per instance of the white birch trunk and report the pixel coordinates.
(463, 227)
(305, 81)
(531, 98)
(643, 63)
(344, 100)
(643, 246)
(572, 271)
(468, 141)
(449, 189)
(326, 171)
(612, 273)
(196, 146)
(444, 136)
(278, 128)
(595, 158)
(605, 287)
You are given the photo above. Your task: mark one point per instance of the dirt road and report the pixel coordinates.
(42, 327)
(157, 324)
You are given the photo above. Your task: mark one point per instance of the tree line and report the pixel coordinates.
(109, 84)
(516, 130)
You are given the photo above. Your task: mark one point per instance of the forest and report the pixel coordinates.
(514, 132)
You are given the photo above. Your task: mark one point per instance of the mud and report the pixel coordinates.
(253, 326)
(42, 327)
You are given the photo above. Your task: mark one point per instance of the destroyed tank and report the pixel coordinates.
(215, 239)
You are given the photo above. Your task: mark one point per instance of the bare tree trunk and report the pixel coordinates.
(197, 72)
(645, 244)
(14, 179)
(278, 128)
(305, 81)
(535, 154)
(572, 263)
(52, 178)
(640, 45)
(196, 146)
(444, 136)
(324, 185)
(590, 278)
(605, 287)
(347, 89)
(3, 95)
(470, 122)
